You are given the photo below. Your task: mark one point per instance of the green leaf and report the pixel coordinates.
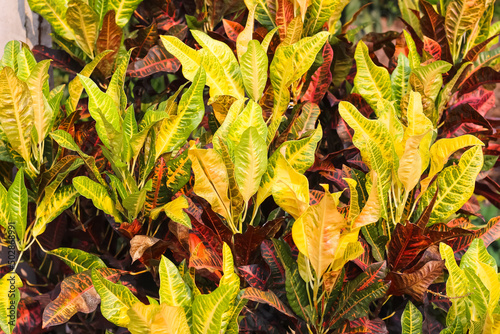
(85, 24)
(16, 112)
(134, 203)
(11, 55)
(173, 289)
(78, 260)
(300, 153)
(226, 59)
(54, 11)
(455, 184)
(442, 149)
(18, 204)
(116, 299)
(457, 287)
(306, 121)
(115, 88)
(103, 109)
(211, 313)
(123, 10)
(9, 299)
(399, 80)
(26, 62)
(296, 288)
(250, 162)
(42, 111)
(411, 321)
(373, 140)
(254, 64)
(372, 82)
(461, 16)
(321, 11)
(98, 194)
(413, 56)
(75, 87)
(176, 129)
(175, 211)
(4, 208)
(52, 206)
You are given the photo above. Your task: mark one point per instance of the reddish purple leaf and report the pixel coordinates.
(321, 79)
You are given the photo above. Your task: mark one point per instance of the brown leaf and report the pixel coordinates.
(110, 38)
(144, 248)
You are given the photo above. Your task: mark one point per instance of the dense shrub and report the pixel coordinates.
(250, 166)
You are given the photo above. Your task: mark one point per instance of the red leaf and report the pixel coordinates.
(245, 244)
(146, 38)
(232, 29)
(60, 58)
(77, 295)
(203, 257)
(284, 14)
(110, 38)
(406, 243)
(432, 47)
(277, 271)
(255, 275)
(157, 60)
(491, 232)
(456, 119)
(476, 50)
(432, 25)
(484, 75)
(321, 79)
(267, 297)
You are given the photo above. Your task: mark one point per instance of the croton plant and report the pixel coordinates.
(257, 166)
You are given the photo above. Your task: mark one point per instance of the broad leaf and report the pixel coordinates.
(173, 289)
(176, 129)
(17, 197)
(411, 321)
(116, 299)
(78, 260)
(9, 299)
(98, 194)
(371, 81)
(123, 10)
(77, 295)
(250, 162)
(16, 112)
(253, 66)
(54, 11)
(85, 24)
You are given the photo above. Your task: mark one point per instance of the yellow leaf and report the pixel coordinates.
(211, 180)
(318, 233)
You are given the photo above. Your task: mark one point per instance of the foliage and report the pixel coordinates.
(250, 166)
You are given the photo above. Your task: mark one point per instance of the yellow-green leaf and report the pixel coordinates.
(85, 24)
(123, 10)
(78, 260)
(42, 111)
(54, 11)
(211, 180)
(17, 196)
(175, 211)
(51, 207)
(75, 87)
(411, 321)
(318, 232)
(173, 290)
(290, 189)
(253, 64)
(16, 112)
(442, 149)
(9, 298)
(455, 184)
(176, 128)
(116, 299)
(372, 82)
(227, 62)
(98, 194)
(250, 162)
